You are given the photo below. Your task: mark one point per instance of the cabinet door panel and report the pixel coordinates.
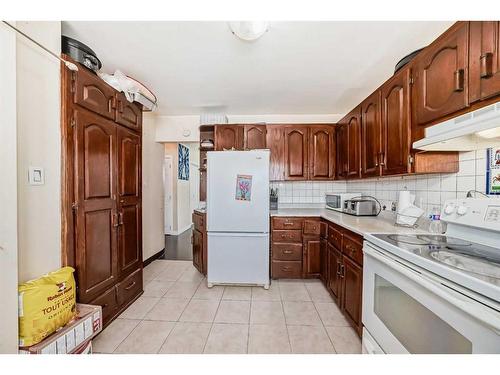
(228, 137)
(197, 249)
(341, 142)
(93, 93)
(254, 137)
(96, 218)
(275, 140)
(370, 135)
(334, 279)
(353, 285)
(321, 152)
(129, 193)
(396, 127)
(128, 114)
(441, 76)
(296, 153)
(484, 59)
(354, 144)
(311, 259)
(323, 260)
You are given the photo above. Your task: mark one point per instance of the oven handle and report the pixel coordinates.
(456, 299)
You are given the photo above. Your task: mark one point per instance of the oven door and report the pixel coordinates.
(407, 311)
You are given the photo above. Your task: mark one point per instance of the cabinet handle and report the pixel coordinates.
(114, 220)
(287, 251)
(286, 223)
(382, 159)
(459, 80)
(351, 249)
(120, 218)
(130, 286)
(338, 268)
(342, 271)
(285, 269)
(486, 65)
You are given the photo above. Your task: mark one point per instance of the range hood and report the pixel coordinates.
(475, 130)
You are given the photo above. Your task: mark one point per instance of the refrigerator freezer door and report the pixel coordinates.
(226, 213)
(238, 258)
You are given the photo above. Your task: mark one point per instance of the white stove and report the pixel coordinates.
(425, 293)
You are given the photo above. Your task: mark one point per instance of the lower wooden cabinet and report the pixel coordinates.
(334, 281)
(352, 286)
(311, 258)
(199, 242)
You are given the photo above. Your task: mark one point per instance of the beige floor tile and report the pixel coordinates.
(187, 338)
(227, 339)
(199, 311)
(264, 312)
(109, 339)
(191, 275)
(272, 294)
(213, 293)
(318, 292)
(237, 293)
(146, 338)
(157, 288)
(140, 308)
(268, 339)
(233, 312)
(309, 340)
(171, 273)
(345, 340)
(182, 290)
(301, 313)
(293, 291)
(331, 315)
(167, 309)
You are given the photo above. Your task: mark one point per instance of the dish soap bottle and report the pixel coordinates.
(435, 226)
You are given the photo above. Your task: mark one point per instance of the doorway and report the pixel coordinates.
(168, 188)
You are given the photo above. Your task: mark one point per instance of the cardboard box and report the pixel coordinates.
(75, 337)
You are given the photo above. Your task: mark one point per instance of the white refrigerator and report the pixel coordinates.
(238, 217)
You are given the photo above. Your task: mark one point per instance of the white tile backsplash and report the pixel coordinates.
(305, 193)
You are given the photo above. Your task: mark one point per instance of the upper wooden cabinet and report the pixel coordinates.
(93, 93)
(296, 154)
(484, 60)
(441, 76)
(354, 143)
(322, 152)
(396, 124)
(341, 143)
(228, 137)
(370, 136)
(128, 114)
(275, 140)
(254, 137)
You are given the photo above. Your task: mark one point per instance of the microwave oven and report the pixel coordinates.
(335, 201)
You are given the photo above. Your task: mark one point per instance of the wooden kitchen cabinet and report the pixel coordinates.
(199, 242)
(254, 137)
(353, 122)
(275, 141)
(197, 250)
(396, 124)
(352, 280)
(228, 137)
(441, 77)
(370, 136)
(296, 152)
(341, 143)
(128, 114)
(484, 60)
(334, 283)
(311, 234)
(322, 152)
(323, 256)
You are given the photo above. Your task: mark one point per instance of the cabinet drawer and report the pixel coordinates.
(287, 236)
(129, 287)
(286, 269)
(353, 249)
(283, 251)
(199, 221)
(312, 227)
(108, 302)
(287, 223)
(335, 237)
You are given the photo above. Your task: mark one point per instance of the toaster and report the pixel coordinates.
(360, 207)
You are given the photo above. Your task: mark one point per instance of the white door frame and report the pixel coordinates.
(168, 188)
(8, 193)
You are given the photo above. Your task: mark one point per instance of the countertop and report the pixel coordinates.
(383, 223)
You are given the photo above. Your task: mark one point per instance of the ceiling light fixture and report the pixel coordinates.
(249, 30)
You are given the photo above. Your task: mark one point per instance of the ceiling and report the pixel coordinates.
(295, 68)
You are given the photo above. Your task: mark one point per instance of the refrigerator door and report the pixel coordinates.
(226, 213)
(238, 258)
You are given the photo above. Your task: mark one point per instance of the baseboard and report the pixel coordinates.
(153, 257)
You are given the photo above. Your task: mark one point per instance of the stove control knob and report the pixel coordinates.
(461, 210)
(448, 210)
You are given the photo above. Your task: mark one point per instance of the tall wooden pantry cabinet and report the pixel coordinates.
(101, 192)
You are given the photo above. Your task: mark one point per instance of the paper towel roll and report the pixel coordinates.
(405, 199)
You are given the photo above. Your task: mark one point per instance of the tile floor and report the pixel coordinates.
(178, 314)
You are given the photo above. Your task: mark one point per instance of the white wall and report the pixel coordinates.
(153, 239)
(8, 193)
(39, 145)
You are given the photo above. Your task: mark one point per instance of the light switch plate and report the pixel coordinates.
(36, 176)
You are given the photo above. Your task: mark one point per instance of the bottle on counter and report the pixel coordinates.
(435, 226)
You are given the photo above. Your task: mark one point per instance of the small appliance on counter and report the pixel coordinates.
(362, 206)
(407, 213)
(273, 199)
(335, 201)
